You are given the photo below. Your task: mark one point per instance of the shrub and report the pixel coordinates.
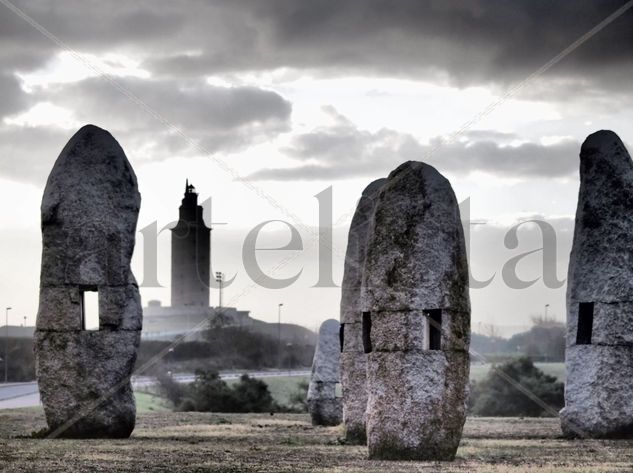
(252, 395)
(209, 393)
(496, 396)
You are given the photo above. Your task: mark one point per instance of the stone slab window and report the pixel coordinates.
(341, 336)
(434, 317)
(585, 323)
(367, 332)
(90, 310)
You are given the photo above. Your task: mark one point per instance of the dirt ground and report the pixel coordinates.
(188, 442)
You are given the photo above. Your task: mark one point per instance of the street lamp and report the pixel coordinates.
(279, 331)
(6, 344)
(546, 307)
(218, 278)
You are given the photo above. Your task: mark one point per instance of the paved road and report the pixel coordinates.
(14, 395)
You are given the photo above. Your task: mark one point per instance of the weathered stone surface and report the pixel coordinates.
(420, 415)
(599, 268)
(416, 270)
(76, 370)
(353, 361)
(324, 405)
(599, 354)
(598, 392)
(416, 246)
(355, 253)
(354, 387)
(89, 213)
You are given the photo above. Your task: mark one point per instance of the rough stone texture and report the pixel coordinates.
(89, 213)
(598, 389)
(353, 359)
(355, 253)
(416, 261)
(420, 415)
(324, 405)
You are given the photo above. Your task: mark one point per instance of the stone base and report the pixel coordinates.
(84, 382)
(326, 412)
(416, 404)
(598, 392)
(354, 384)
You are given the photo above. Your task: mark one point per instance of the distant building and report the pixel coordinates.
(165, 323)
(190, 254)
(189, 312)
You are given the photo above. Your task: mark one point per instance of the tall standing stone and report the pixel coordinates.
(416, 319)
(599, 352)
(323, 403)
(353, 357)
(89, 213)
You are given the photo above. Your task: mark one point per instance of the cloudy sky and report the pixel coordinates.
(265, 104)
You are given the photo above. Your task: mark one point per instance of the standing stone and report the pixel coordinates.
(599, 352)
(353, 358)
(323, 403)
(89, 213)
(416, 319)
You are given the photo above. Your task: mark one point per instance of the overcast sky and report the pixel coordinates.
(264, 104)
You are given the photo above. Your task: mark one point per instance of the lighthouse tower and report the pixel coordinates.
(190, 254)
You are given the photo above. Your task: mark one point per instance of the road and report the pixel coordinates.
(14, 395)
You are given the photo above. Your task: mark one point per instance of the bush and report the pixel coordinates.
(209, 393)
(21, 359)
(252, 395)
(496, 396)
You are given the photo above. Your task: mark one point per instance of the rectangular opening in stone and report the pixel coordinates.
(341, 336)
(585, 323)
(90, 310)
(434, 319)
(366, 332)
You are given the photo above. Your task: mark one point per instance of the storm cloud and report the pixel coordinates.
(342, 150)
(464, 42)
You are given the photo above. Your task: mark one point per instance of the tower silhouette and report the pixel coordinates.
(190, 254)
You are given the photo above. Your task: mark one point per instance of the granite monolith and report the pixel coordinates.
(599, 348)
(416, 318)
(353, 357)
(89, 214)
(324, 403)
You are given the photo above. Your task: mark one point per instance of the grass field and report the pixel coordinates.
(148, 402)
(196, 442)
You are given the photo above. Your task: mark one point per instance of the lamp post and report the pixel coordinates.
(219, 276)
(546, 307)
(279, 331)
(6, 344)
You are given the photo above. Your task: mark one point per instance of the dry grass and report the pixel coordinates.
(170, 442)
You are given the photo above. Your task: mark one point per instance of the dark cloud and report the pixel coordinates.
(85, 26)
(211, 118)
(218, 118)
(27, 154)
(12, 97)
(466, 42)
(342, 150)
(462, 41)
